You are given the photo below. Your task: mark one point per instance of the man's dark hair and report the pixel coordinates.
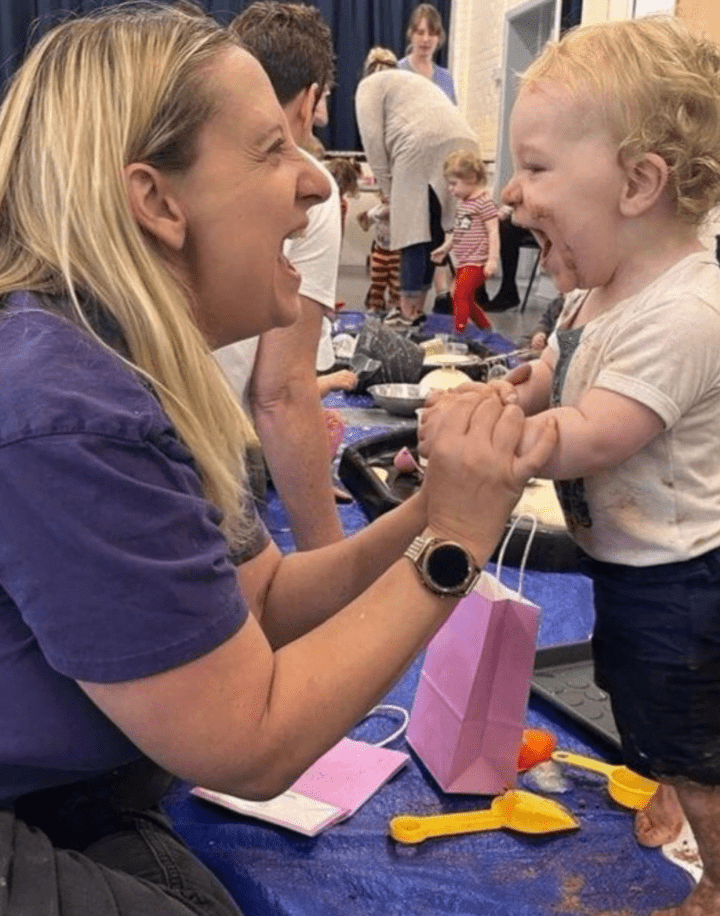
(292, 42)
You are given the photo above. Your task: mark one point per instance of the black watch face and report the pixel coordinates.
(448, 565)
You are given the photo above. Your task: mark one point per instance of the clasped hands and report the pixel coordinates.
(478, 462)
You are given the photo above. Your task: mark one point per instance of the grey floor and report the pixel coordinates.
(353, 284)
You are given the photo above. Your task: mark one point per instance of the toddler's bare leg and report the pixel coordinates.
(412, 306)
(661, 820)
(701, 805)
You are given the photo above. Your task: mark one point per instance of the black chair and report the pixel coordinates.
(512, 239)
(533, 272)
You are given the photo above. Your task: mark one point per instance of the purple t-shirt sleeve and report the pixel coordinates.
(117, 563)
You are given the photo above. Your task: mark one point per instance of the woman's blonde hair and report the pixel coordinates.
(379, 58)
(465, 165)
(128, 84)
(657, 88)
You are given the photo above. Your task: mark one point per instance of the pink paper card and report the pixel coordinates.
(331, 790)
(349, 773)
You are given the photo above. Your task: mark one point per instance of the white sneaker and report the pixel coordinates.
(396, 319)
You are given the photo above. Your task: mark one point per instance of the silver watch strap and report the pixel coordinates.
(417, 546)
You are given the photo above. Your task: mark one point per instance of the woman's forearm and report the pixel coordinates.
(309, 587)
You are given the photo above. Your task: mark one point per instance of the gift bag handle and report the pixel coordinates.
(526, 552)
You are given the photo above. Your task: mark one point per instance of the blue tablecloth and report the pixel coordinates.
(354, 869)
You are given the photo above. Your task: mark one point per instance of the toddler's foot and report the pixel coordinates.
(703, 901)
(661, 820)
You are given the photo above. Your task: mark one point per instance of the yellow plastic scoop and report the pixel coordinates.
(516, 810)
(626, 787)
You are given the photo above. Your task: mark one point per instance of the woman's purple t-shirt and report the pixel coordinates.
(112, 563)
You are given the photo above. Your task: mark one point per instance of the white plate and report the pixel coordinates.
(684, 853)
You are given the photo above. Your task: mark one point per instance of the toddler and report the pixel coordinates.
(616, 139)
(475, 239)
(547, 321)
(347, 174)
(384, 263)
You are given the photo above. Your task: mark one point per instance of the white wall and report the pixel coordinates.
(476, 52)
(476, 35)
(476, 58)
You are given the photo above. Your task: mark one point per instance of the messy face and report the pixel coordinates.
(567, 185)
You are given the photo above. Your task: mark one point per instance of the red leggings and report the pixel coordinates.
(467, 281)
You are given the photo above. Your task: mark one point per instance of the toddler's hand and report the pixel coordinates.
(364, 220)
(342, 380)
(490, 268)
(538, 341)
(439, 254)
(518, 375)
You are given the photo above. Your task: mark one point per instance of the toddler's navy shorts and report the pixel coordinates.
(656, 647)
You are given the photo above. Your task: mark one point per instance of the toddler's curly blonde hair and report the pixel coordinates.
(465, 165)
(657, 87)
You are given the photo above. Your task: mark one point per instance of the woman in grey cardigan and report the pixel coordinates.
(408, 126)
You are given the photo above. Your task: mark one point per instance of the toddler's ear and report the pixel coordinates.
(646, 179)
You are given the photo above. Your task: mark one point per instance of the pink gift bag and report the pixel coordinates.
(469, 711)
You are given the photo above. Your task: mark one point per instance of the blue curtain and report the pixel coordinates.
(357, 25)
(570, 14)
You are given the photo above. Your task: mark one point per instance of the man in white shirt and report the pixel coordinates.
(275, 375)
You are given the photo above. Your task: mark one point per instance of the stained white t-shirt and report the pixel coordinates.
(660, 347)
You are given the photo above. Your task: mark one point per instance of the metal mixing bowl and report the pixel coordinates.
(398, 398)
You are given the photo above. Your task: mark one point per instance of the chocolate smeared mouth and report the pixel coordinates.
(543, 241)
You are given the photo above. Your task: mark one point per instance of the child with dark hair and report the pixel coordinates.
(347, 173)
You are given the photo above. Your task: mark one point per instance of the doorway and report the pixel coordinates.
(527, 28)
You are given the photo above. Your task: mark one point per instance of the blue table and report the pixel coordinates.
(354, 869)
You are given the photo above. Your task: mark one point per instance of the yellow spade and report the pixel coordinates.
(625, 787)
(517, 810)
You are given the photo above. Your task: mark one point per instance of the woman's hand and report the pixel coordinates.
(474, 474)
(439, 401)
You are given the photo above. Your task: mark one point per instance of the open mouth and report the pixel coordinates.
(544, 243)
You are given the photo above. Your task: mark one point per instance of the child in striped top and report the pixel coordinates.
(474, 242)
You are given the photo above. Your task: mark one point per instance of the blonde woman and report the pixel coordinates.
(149, 626)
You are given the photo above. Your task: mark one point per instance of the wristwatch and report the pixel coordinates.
(445, 567)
